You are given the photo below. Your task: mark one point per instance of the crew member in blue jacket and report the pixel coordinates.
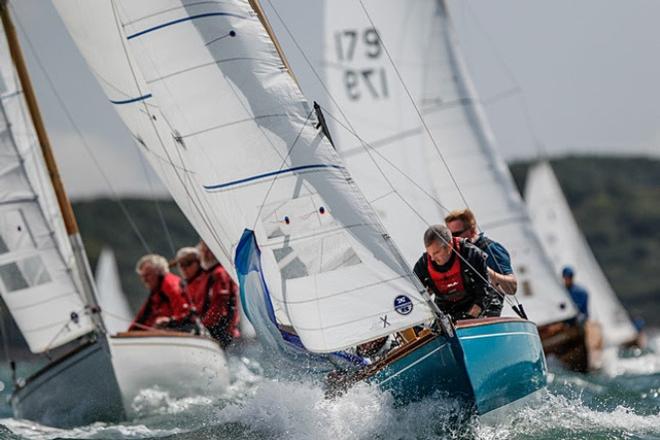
(578, 294)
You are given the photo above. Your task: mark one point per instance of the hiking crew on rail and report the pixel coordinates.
(455, 272)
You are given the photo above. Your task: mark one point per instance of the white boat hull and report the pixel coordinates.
(180, 364)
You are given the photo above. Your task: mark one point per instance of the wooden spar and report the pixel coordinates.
(31, 100)
(256, 6)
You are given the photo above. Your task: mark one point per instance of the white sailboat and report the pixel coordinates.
(566, 246)
(43, 279)
(46, 283)
(112, 299)
(209, 98)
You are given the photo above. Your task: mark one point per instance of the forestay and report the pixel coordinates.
(566, 245)
(411, 180)
(205, 93)
(39, 281)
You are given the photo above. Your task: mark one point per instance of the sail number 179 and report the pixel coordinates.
(361, 82)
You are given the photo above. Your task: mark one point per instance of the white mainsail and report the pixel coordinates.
(112, 299)
(205, 93)
(566, 245)
(411, 180)
(39, 280)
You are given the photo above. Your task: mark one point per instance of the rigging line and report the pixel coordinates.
(83, 140)
(389, 162)
(423, 121)
(272, 183)
(348, 126)
(538, 144)
(161, 216)
(388, 241)
(199, 210)
(412, 101)
(327, 91)
(352, 130)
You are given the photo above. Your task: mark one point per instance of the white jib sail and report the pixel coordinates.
(39, 281)
(205, 93)
(114, 306)
(377, 130)
(566, 245)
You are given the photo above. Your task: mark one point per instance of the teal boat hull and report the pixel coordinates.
(493, 362)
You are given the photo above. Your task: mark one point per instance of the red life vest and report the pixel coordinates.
(450, 283)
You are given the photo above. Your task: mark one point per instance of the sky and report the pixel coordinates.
(556, 78)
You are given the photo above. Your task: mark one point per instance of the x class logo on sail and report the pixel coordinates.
(403, 305)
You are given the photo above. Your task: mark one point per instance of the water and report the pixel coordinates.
(621, 402)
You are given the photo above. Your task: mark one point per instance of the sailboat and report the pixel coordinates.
(404, 115)
(112, 299)
(208, 95)
(46, 283)
(566, 246)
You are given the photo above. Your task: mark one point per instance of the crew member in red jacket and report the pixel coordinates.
(196, 283)
(166, 306)
(222, 315)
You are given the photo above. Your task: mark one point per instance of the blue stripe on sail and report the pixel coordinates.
(192, 17)
(269, 174)
(128, 101)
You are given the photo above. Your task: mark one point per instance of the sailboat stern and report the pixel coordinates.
(504, 360)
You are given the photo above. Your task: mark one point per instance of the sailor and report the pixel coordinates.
(463, 224)
(578, 294)
(195, 282)
(455, 271)
(221, 315)
(166, 306)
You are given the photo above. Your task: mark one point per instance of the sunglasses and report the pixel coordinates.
(459, 233)
(187, 263)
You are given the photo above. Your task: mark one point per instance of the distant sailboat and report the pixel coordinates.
(566, 246)
(117, 314)
(448, 162)
(47, 285)
(208, 96)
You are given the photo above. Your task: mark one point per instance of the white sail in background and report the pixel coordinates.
(39, 280)
(116, 313)
(205, 93)
(377, 130)
(566, 246)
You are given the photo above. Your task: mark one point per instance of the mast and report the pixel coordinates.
(88, 286)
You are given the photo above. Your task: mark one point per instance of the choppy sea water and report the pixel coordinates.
(620, 402)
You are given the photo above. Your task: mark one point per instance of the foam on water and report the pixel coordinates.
(559, 417)
(297, 410)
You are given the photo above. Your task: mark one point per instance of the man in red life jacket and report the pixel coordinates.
(455, 271)
(221, 315)
(166, 305)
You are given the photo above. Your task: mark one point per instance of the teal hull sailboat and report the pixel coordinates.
(489, 363)
(208, 94)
